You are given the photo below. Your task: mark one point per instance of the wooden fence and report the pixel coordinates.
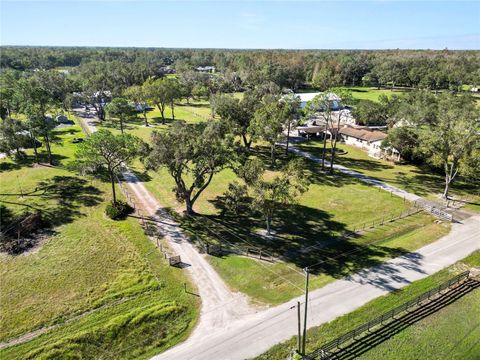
(322, 353)
(150, 228)
(227, 242)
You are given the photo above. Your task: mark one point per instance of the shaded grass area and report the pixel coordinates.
(89, 263)
(422, 181)
(304, 233)
(451, 332)
(275, 283)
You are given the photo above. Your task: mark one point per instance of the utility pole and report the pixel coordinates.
(305, 316)
(299, 337)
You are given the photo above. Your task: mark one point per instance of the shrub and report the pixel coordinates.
(118, 211)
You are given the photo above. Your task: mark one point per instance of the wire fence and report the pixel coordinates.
(323, 352)
(223, 238)
(384, 219)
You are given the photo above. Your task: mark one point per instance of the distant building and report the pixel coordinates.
(206, 69)
(166, 70)
(304, 98)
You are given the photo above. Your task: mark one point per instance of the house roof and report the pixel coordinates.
(305, 97)
(311, 129)
(363, 134)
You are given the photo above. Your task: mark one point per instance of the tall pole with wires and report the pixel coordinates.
(299, 337)
(305, 315)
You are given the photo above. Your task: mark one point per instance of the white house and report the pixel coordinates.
(206, 69)
(369, 140)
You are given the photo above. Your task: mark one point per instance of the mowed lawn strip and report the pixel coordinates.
(418, 180)
(452, 332)
(195, 111)
(275, 283)
(332, 205)
(88, 263)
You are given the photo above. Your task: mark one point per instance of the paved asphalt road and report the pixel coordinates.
(256, 333)
(229, 329)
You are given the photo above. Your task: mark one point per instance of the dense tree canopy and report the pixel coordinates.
(192, 154)
(444, 69)
(444, 129)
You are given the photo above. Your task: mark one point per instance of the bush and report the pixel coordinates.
(118, 211)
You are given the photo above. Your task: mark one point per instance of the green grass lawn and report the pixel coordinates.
(332, 205)
(275, 283)
(452, 332)
(371, 93)
(106, 277)
(421, 181)
(193, 112)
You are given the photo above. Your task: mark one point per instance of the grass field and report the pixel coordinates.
(102, 283)
(275, 283)
(421, 181)
(332, 205)
(452, 332)
(372, 94)
(193, 112)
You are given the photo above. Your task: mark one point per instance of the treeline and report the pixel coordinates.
(321, 69)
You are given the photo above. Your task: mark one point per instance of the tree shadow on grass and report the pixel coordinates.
(313, 169)
(158, 121)
(30, 160)
(303, 236)
(60, 198)
(195, 105)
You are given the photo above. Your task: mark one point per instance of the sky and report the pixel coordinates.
(380, 24)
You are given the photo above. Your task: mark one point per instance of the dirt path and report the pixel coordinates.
(230, 329)
(220, 305)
